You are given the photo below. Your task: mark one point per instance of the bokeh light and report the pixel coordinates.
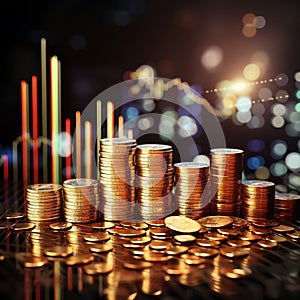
(148, 105)
(260, 22)
(261, 58)
(297, 76)
(187, 126)
(256, 122)
(278, 169)
(251, 72)
(265, 93)
(292, 161)
(243, 104)
(282, 79)
(258, 109)
(212, 57)
(294, 180)
(145, 123)
(248, 18)
(243, 117)
(131, 113)
(278, 149)
(64, 144)
(201, 158)
(262, 173)
(256, 145)
(277, 121)
(255, 162)
(249, 30)
(282, 96)
(278, 109)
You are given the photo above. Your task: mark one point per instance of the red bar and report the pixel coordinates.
(35, 130)
(68, 158)
(24, 130)
(5, 168)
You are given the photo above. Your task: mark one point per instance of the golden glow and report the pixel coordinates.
(110, 120)
(251, 72)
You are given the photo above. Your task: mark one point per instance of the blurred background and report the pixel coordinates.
(242, 56)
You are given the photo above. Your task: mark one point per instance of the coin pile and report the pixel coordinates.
(287, 206)
(258, 200)
(81, 200)
(191, 179)
(154, 180)
(225, 181)
(116, 175)
(44, 202)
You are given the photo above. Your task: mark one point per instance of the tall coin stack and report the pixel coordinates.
(44, 202)
(117, 171)
(81, 200)
(287, 206)
(258, 200)
(225, 181)
(154, 180)
(191, 179)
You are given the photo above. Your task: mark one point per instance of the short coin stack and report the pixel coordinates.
(117, 171)
(81, 200)
(287, 206)
(191, 179)
(154, 180)
(225, 181)
(44, 202)
(258, 200)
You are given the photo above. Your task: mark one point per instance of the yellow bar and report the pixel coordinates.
(130, 133)
(110, 119)
(99, 119)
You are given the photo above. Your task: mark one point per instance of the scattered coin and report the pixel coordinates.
(276, 238)
(137, 265)
(208, 243)
(20, 226)
(235, 272)
(238, 243)
(182, 224)
(103, 225)
(267, 244)
(216, 221)
(215, 236)
(283, 228)
(191, 259)
(96, 237)
(101, 248)
(294, 235)
(58, 251)
(15, 215)
(61, 226)
(30, 261)
(176, 250)
(184, 238)
(234, 252)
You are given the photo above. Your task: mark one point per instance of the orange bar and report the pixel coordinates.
(121, 127)
(24, 131)
(78, 145)
(112, 119)
(35, 130)
(6, 193)
(68, 158)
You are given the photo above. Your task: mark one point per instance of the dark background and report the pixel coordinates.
(97, 42)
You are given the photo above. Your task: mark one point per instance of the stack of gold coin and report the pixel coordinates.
(117, 171)
(287, 206)
(225, 181)
(258, 200)
(44, 202)
(154, 180)
(191, 179)
(81, 200)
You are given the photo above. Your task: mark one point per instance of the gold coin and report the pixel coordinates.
(229, 231)
(127, 232)
(260, 230)
(248, 236)
(238, 243)
(158, 245)
(75, 260)
(191, 259)
(294, 235)
(182, 224)
(267, 244)
(203, 252)
(101, 248)
(184, 238)
(216, 221)
(58, 251)
(234, 252)
(103, 225)
(61, 226)
(208, 243)
(144, 240)
(152, 256)
(96, 237)
(283, 228)
(97, 268)
(276, 238)
(6, 225)
(23, 226)
(215, 236)
(30, 261)
(176, 250)
(14, 215)
(176, 270)
(235, 272)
